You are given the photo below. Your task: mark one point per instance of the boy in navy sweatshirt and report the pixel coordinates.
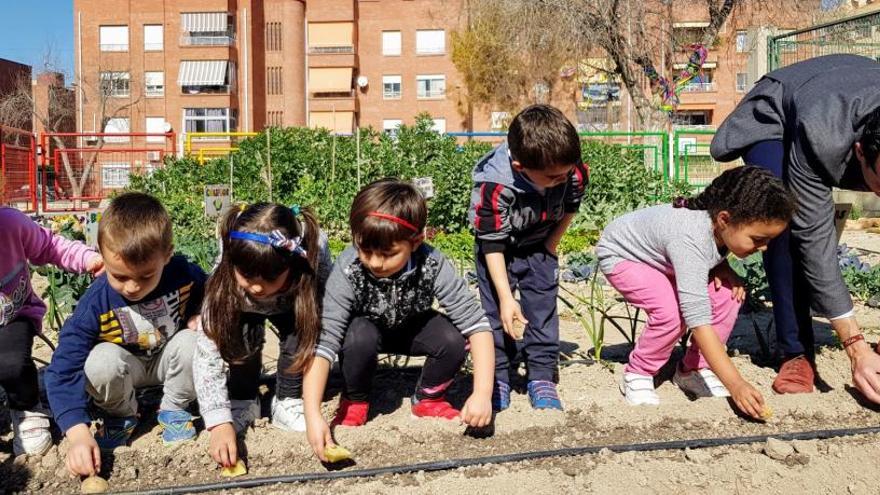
(526, 192)
(129, 330)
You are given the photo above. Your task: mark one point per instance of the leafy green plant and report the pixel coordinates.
(576, 241)
(751, 271)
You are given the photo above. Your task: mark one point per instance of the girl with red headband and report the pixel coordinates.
(379, 298)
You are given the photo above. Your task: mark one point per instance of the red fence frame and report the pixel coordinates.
(7, 165)
(51, 157)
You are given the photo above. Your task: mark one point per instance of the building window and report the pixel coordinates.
(117, 125)
(154, 38)
(499, 120)
(207, 29)
(275, 118)
(692, 118)
(206, 76)
(155, 83)
(430, 42)
(274, 81)
(208, 120)
(155, 125)
(430, 87)
(390, 126)
(115, 84)
(273, 36)
(439, 126)
(702, 82)
(115, 175)
(742, 80)
(114, 38)
(742, 41)
(391, 43)
(391, 87)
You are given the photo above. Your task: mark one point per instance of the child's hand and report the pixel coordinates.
(95, 265)
(224, 446)
(477, 411)
(748, 400)
(510, 313)
(84, 456)
(318, 433)
(724, 273)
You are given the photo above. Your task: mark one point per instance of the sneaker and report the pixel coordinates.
(543, 395)
(796, 376)
(351, 413)
(288, 414)
(244, 413)
(31, 430)
(639, 390)
(500, 396)
(114, 432)
(700, 383)
(434, 408)
(177, 426)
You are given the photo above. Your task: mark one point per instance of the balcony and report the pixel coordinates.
(206, 90)
(701, 87)
(207, 39)
(339, 101)
(331, 49)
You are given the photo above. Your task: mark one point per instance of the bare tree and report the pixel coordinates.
(637, 37)
(58, 113)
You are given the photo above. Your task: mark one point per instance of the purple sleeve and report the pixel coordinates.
(42, 247)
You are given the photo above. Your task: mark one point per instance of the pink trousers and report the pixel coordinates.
(655, 293)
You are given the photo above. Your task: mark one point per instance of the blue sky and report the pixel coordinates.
(31, 28)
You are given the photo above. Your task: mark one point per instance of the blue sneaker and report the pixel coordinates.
(543, 395)
(500, 396)
(112, 432)
(177, 426)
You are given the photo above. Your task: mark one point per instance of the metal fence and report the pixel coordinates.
(858, 35)
(18, 173)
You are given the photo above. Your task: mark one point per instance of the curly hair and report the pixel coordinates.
(748, 194)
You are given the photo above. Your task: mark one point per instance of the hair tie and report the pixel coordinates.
(392, 218)
(295, 209)
(275, 239)
(680, 202)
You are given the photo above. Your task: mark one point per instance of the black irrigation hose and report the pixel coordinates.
(697, 443)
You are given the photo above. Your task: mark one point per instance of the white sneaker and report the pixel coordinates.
(244, 413)
(288, 414)
(31, 432)
(700, 383)
(639, 390)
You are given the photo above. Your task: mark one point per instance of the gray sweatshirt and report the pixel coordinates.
(817, 109)
(352, 291)
(676, 241)
(210, 371)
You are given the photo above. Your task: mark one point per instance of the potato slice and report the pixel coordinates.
(94, 484)
(336, 453)
(232, 472)
(767, 413)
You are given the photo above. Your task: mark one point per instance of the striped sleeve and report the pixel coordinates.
(577, 186)
(491, 219)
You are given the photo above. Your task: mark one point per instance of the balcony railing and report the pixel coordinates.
(114, 47)
(331, 49)
(333, 94)
(431, 94)
(204, 90)
(698, 87)
(198, 39)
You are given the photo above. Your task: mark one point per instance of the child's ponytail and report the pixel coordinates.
(307, 310)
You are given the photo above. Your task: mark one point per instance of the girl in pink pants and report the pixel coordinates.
(671, 261)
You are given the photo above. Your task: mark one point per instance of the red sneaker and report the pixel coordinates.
(795, 376)
(351, 413)
(434, 408)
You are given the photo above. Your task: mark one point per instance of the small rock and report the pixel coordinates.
(808, 447)
(131, 473)
(570, 471)
(606, 452)
(123, 449)
(558, 439)
(579, 435)
(418, 439)
(697, 456)
(20, 460)
(797, 459)
(261, 422)
(49, 460)
(777, 449)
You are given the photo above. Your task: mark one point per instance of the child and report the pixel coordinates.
(379, 299)
(21, 316)
(525, 194)
(128, 331)
(273, 264)
(671, 261)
